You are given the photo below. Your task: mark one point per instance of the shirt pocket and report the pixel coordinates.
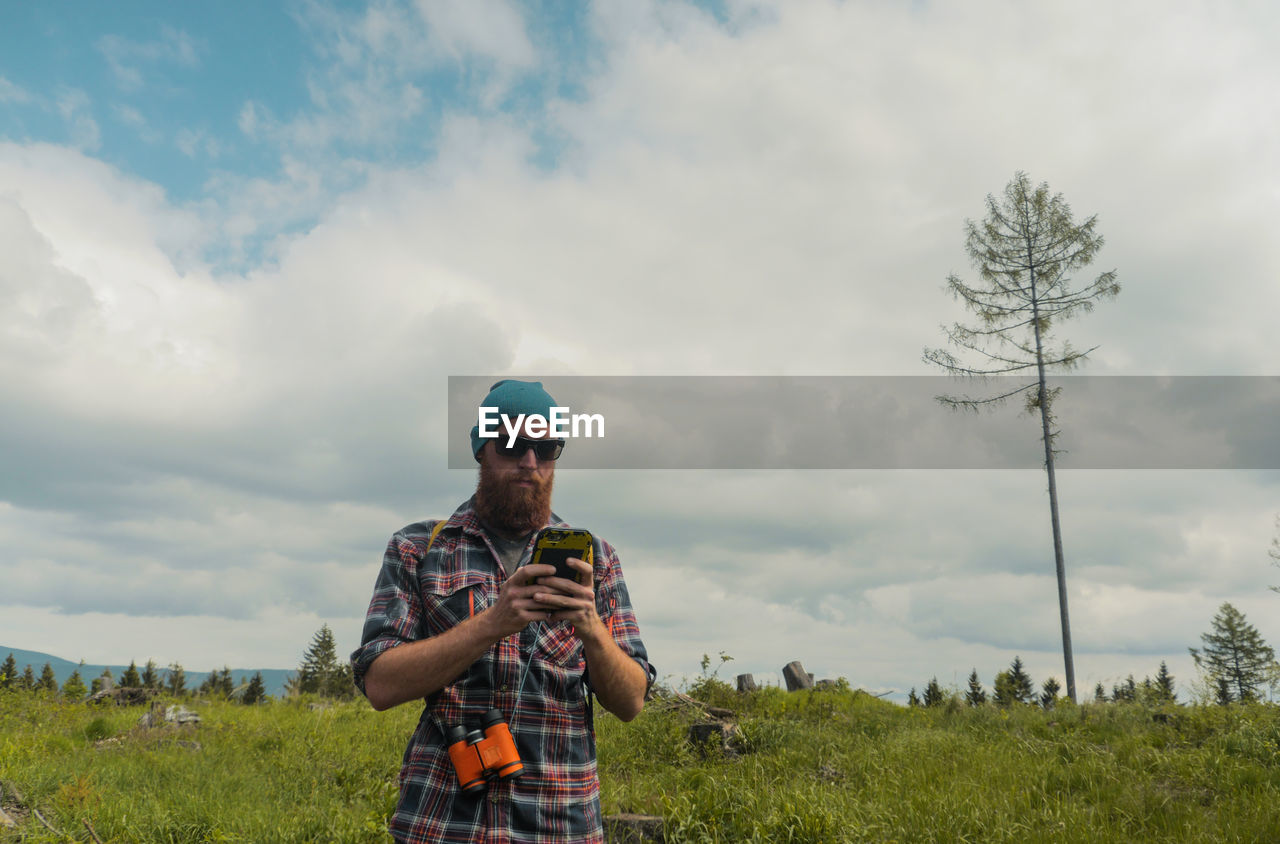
(449, 600)
(558, 647)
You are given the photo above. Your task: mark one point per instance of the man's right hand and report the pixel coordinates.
(516, 606)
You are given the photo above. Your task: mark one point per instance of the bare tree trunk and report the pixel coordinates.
(1059, 562)
(1057, 553)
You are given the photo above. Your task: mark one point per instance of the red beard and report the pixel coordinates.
(511, 509)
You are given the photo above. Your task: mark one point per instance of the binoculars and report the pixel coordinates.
(485, 753)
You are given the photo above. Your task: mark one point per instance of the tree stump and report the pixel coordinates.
(632, 829)
(747, 683)
(797, 678)
(122, 696)
(722, 736)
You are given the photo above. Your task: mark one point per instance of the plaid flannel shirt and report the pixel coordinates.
(421, 593)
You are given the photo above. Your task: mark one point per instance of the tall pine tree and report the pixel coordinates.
(150, 676)
(1025, 252)
(1234, 651)
(8, 672)
(175, 682)
(320, 672)
(218, 684)
(1164, 685)
(256, 691)
(933, 694)
(975, 696)
(48, 681)
(74, 689)
(130, 677)
(1049, 693)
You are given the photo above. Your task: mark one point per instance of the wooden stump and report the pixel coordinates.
(747, 683)
(722, 736)
(632, 829)
(797, 678)
(122, 696)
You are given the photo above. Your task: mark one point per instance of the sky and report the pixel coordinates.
(244, 246)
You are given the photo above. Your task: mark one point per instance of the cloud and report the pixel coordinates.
(13, 93)
(73, 105)
(782, 193)
(194, 142)
(493, 30)
(129, 59)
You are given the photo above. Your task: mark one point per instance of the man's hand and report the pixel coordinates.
(617, 680)
(574, 602)
(517, 604)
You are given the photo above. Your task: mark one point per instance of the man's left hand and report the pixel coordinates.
(568, 600)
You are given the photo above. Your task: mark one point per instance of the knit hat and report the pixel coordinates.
(513, 398)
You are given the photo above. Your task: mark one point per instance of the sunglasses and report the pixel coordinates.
(544, 449)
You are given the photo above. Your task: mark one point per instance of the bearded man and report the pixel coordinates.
(457, 620)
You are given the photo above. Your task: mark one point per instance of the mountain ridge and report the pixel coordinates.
(273, 678)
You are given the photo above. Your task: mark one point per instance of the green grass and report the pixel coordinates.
(824, 766)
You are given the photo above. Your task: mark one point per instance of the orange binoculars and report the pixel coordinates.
(485, 753)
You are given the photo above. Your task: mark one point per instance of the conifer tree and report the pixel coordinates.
(150, 676)
(130, 677)
(1126, 691)
(218, 683)
(48, 680)
(1025, 252)
(1023, 688)
(1049, 693)
(1235, 651)
(933, 695)
(27, 679)
(1164, 684)
(8, 672)
(913, 699)
(320, 671)
(256, 691)
(976, 696)
(1003, 694)
(74, 689)
(1099, 694)
(175, 682)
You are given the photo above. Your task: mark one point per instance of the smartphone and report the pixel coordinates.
(554, 547)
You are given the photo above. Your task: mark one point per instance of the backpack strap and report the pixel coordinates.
(435, 531)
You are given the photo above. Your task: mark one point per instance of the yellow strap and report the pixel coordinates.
(435, 531)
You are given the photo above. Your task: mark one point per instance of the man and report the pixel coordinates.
(459, 621)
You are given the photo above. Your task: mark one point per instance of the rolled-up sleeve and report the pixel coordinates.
(395, 611)
(613, 603)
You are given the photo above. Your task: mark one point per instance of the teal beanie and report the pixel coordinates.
(513, 398)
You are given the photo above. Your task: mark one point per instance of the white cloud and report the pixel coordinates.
(784, 195)
(128, 59)
(197, 142)
(493, 30)
(73, 104)
(11, 92)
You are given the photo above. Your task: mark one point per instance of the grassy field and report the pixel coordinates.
(824, 766)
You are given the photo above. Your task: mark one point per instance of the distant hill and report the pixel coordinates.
(273, 677)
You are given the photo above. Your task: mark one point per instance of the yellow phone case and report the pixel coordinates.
(554, 547)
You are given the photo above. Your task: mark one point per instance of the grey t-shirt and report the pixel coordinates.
(511, 551)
